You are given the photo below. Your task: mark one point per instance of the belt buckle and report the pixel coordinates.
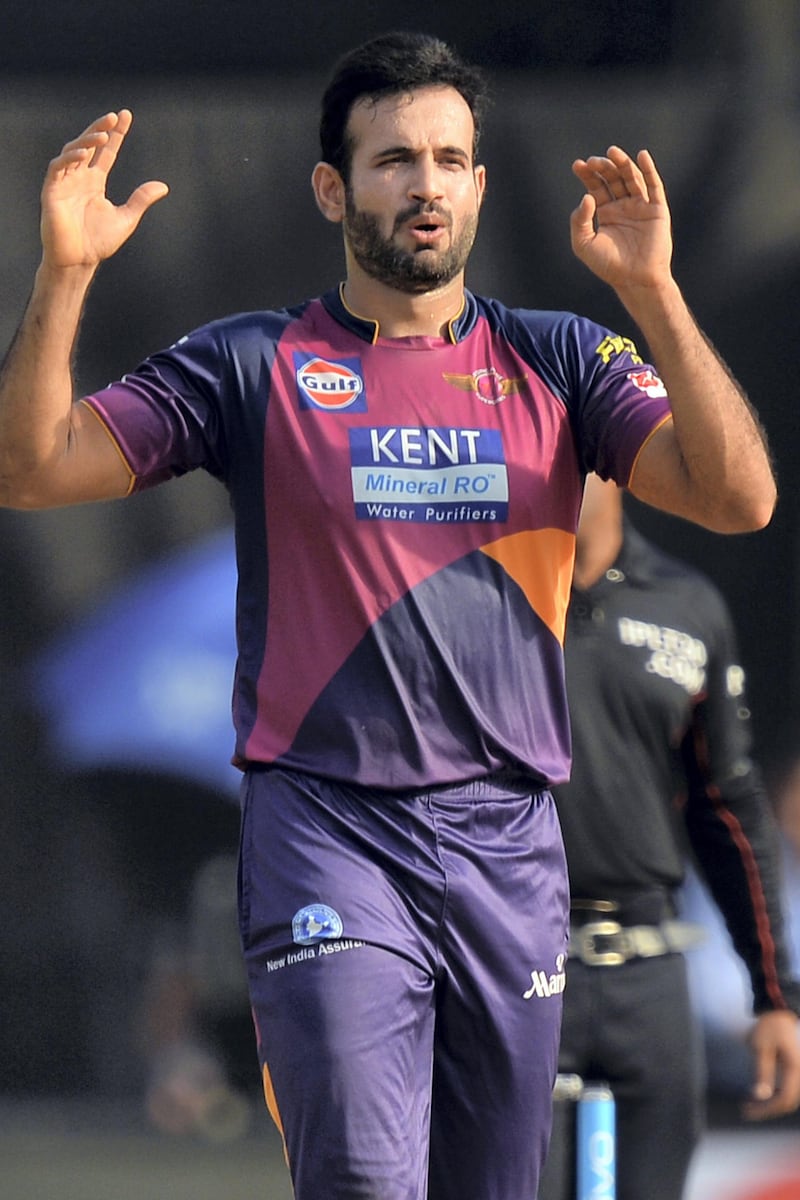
(589, 935)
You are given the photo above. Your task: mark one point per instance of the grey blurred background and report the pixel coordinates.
(225, 102)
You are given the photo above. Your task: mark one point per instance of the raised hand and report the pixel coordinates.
(79, 225)
(621, 229)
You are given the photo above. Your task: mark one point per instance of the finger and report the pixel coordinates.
(788, 1091)
(765, 1075)
(764, 1100)
(775, 1091)
(582, 223)
(93, 134)
(653, 181)
(82, 150)
(641, 176)
(763, 1110)
(601, 177)
(629, 172)
(115, 126)
(144, 197)
(74, 155)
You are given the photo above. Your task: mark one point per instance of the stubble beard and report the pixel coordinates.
(414, 272)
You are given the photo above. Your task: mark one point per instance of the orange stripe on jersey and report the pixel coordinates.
(541, 562)
(115, 443)
(664, 421)
(272, 1105)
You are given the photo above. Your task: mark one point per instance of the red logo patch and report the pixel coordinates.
(648, 382)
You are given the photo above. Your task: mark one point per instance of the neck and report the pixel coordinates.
(400, 314)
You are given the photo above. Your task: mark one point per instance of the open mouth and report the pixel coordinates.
(427, 220)
(427, 230)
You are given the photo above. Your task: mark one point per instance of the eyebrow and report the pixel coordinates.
(410, 152)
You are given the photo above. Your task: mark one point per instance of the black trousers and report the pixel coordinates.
(633, 1027)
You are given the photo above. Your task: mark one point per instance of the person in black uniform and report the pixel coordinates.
(661, 766)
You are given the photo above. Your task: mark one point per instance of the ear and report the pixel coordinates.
(329, 191)
(480, 182)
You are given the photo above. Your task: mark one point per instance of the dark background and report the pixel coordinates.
(225, 100)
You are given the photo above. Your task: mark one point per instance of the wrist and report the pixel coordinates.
(68, 286)
(76, 274)
(660, 312)
(657, 298)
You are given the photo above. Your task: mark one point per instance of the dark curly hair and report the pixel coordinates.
(392, 64)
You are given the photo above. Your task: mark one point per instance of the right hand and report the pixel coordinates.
(79, 225)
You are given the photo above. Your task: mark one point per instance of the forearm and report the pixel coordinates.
(723, 460)
(733, 838)
(36, 387)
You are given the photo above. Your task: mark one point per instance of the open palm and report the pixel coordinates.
(80, 226)
(621, 229)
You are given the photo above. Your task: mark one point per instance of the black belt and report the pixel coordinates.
(608, 943)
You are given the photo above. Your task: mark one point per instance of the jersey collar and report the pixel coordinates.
(369, 331)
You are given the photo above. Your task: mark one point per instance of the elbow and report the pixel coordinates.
(762, 506)
(763, 515)
(748, 514)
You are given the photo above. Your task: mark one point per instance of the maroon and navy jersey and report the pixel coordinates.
(405, 514)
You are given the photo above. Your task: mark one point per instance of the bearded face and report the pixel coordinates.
(414, 269)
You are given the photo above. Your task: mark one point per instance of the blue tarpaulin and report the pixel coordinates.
(144, 680)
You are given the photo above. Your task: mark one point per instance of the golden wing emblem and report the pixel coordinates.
(466, 383)
(487, 384)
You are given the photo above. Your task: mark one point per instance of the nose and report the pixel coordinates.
(425, 184)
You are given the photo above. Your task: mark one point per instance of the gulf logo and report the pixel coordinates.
(329, 384)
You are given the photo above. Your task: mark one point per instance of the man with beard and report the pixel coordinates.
(405, 462)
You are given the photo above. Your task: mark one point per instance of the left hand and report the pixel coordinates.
(775, 1044)
(621, 229)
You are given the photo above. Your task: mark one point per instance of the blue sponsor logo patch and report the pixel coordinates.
(435, 474)
(315, 922)
(329, 384)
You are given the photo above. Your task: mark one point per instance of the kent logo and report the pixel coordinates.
(438, 475)
(421, 447)
(329, 384)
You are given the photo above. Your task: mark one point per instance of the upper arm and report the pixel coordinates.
(90, 467)
(718, 495)
(108, 471)
(659, 476)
